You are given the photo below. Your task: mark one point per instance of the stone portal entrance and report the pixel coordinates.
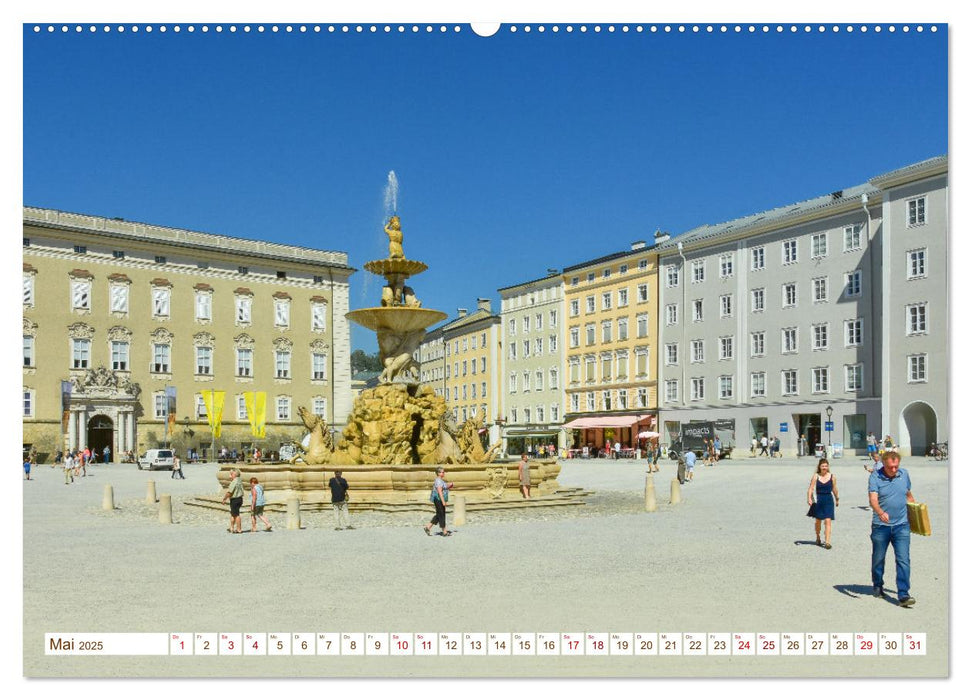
(101, 434)
(918, 427)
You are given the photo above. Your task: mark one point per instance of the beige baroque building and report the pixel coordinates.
(125, 324)
(610, 347)
(472, 344)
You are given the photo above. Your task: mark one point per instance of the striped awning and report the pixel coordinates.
(608, 421)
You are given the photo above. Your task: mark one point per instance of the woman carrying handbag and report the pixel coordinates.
(823, 497)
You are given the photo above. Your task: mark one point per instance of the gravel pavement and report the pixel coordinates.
(737, 555)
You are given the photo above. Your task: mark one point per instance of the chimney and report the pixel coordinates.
(485, 305)
(638, 245)
(660, 237)
(552, 272)
(463, 313)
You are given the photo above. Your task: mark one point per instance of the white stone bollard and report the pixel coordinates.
(458, 512)
(293, 513)
(108, 500)
(675, 492)
(150, 498)
(165, 509)
(650, 497)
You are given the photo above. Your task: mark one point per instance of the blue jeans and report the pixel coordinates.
(882, 536)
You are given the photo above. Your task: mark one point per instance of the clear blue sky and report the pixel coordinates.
(515, 153)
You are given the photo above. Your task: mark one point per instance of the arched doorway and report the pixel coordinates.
(918, 427)
(101, 434)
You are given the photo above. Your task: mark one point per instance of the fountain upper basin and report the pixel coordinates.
(398, 319)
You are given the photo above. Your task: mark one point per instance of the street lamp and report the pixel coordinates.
(829, 425)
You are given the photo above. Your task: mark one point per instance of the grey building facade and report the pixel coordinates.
(796, 320)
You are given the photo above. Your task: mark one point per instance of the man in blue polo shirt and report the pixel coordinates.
(889, 489)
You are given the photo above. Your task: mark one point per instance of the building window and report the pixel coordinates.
(527, 383)
(320, 406)
(642, 327)
(673, 276)
(854, 332)
(553, 318)
(605, 397)
(28, 290)
(203, 360)
(554, 412)
(203, 306)
(512, 326)
(622, 297)
(552, 347)
(852, 237)
(790, 382)
(512, 355)
(118, 298)
(820, 246)
(28, 403)
(726, 350)
(917, 368)
(697, 310)
(790, 252)
(28, 351)
(244, 362)
(244, 310)
(161, 298)
(554, 379)
(641, 293)
(671, 390)
(726, 265)
(318, 366)
(789, 294)
(915, 263)
(916, 319)
(606, 365)
(241, 413)
(605, 301)
(282, 406)
(757, 384)
(281, 313)
(726, 305)
(574, 311)
(591, 369)
(758, 258)
(726, 386)
(242, 269)
(621, 329)
(697, 388)
(526, 348)
(81, 249)
(758, 343)
(539, 327)
(820, 290)
(282, 364)
(697, 271)
(671, 314)
(916, 211)
(591, 334)
(200, 407)
(161, 404)
(119, 355)
(513, 382)
(161, 358)
(538, 379)
(575, 337)
(160, 259)
(697, 350)
(642, 397)
(80, 353)
(758, 300)
(854, 283)
(591, 305)
(854, 377)
(789, 340)
(606, 331)
(81, 294)
(820, 336)
(820, 380)
(671, 353)
(525, 324)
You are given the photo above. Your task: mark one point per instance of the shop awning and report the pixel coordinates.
(607, 421)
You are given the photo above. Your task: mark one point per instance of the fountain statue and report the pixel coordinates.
(399, 431)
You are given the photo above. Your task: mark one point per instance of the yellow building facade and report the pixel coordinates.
(126, 324)
(610, 348)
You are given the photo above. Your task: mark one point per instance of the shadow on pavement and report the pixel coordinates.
(812, 542)
(856, 590)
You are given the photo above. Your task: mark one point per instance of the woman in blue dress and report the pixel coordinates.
(822, 489)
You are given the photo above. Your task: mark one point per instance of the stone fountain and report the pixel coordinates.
(399, 432)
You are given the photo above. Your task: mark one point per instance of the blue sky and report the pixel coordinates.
(515, 153)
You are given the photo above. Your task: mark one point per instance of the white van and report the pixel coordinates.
(156, 459)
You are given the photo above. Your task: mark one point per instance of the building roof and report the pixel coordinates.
(612, 256)
(551, 276)
(152, 233)
(479, 315)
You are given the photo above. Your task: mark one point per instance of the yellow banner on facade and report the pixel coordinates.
(214, 401)
(256, 412)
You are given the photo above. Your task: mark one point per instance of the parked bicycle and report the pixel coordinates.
(938, 450)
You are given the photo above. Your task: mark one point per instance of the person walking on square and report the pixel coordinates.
(439, 498)
(338, 499)
(177, 466)
(234, 492)
(822, 490)
(716, 449)
(257, 502)
(657, 455)
(84, 462)
(106, 453)
(871, 444)
(689, 462)
(523, 470)
(68, 469)
(764, 443)
(889, 489)
(27, 468)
